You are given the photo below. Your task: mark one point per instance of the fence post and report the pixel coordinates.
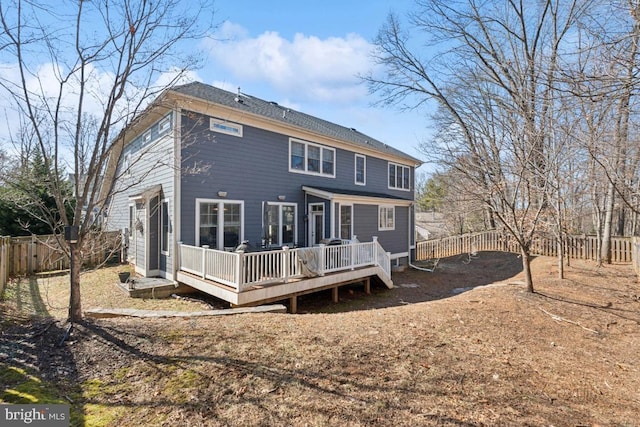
(3, 264)
(30, 250)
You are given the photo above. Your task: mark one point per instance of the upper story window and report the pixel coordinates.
(305, 157)
(399, 177)
(360, 169)
(222, 126)
(164, 125)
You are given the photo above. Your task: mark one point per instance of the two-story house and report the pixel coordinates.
(204, 169)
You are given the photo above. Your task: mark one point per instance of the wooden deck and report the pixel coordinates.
(268, 293)
(264, 277)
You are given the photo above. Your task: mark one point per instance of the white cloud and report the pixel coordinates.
(176, 76)
(303, 68)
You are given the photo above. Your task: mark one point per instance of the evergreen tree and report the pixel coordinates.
(26, 202)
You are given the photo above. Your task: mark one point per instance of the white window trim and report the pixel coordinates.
(306, 158)
(397, 165)
(225, 127)
(355, 169)
(220, 202)
(386, 208)
(162, 213)
(280, 218)
(146, 137)
(340, 220)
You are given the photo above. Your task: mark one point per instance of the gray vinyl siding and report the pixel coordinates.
(366, 226)
(254, 168)
(151, 164)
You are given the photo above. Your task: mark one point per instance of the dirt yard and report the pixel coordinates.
(463, 346)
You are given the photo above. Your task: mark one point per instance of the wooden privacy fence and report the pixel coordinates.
(576, 247)
(34, 254)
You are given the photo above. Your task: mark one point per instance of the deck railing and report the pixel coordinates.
(242, 270)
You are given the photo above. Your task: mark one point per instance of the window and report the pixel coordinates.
(232, 225)
(126, 164)
(327, 161)
(209, 225)
(313, 158)
(228, 128)
(305, 157)
(360, 169)
(399, 177)
(165, 227)
(146, 137)
(297, 156)
(164, 125)
(219, 223)
(280, 224)
(386, 218)
(346, 229)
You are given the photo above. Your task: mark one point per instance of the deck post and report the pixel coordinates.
(178, 265)
(334, 295)
(293, 304)
(321, 260)
(375, 250)
(239, 269)
(204, 259)
(367, 285)
(285, 263)
(352, 248)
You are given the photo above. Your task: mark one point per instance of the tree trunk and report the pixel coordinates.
(526, 268)
(560, 257)
(75, 304)
(605, 248)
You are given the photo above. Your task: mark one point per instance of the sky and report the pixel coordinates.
(307, 56)
(303, 55)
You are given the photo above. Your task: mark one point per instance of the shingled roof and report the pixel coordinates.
(273, 111)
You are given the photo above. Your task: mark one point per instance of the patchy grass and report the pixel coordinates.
(45, 297)
(415, 355)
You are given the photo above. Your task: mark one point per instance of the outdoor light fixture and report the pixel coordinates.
(222, 194)
(281, 198)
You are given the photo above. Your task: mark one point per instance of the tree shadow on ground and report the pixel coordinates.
(240, 381)
(36, 366)
(452, 276)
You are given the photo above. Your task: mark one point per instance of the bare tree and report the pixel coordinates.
(604, 81)
(78, 85)
(492, 70)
